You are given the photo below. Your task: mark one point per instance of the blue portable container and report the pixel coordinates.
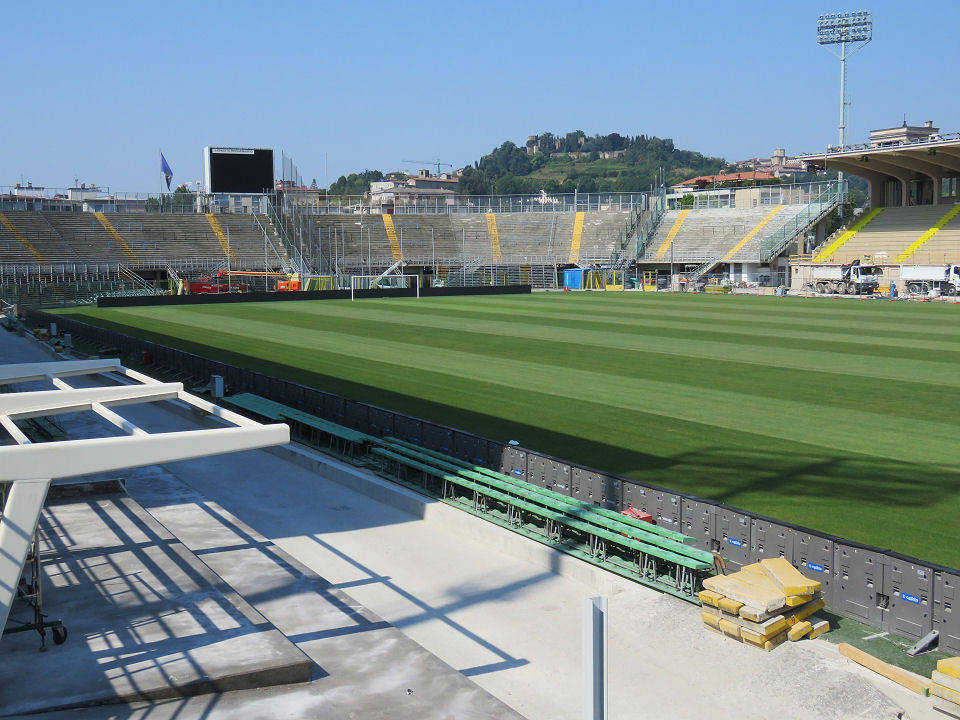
(575, 278)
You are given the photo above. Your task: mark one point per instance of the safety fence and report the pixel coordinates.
(412, 204)
(401, 203)
(357, 293)
(750, 196)
(878, 587)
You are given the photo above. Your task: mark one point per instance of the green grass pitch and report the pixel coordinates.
(843, 416)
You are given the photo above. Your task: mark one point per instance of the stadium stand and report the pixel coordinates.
(601, 231)
(28, 237)
(722, 234)
(488, 238)
(139, 238)
(926, 233)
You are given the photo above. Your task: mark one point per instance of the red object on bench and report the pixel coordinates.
(636, 514)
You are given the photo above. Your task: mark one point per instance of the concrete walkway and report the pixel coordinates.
(145, 618)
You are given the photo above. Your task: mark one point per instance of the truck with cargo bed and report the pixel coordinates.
(851, 279)
(921, 279)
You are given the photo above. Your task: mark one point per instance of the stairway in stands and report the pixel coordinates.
(108, 226)
(831, 249)
(929, 234)
(18, 235)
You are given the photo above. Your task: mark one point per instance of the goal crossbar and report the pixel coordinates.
(372, 282)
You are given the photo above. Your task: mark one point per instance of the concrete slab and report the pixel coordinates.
(146, 619)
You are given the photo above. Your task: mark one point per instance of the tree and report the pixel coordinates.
(355, 183)
(473, 182)
(507, 159)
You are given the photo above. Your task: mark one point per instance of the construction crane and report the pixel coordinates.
(421, 163)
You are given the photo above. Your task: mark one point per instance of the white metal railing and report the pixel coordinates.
(747, 196)
(473, 204)
(57, 199)
(829, 198)
(921, 142)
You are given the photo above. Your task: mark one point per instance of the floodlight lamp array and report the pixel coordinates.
(849, 27)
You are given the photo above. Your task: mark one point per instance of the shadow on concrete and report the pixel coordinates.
(146, 620)
(331, 593)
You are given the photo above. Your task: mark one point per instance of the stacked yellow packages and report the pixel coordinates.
(945, 686)
(763, 604)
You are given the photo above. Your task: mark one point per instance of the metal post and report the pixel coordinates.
(595, 658)
(843, 98)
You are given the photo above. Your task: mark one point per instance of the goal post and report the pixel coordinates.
(373, 282)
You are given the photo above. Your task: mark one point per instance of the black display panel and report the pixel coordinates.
(239, 170)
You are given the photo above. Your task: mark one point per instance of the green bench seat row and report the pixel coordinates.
(585, 506)
(561, 503)
(550, 514)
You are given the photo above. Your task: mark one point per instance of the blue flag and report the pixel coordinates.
(165, 169)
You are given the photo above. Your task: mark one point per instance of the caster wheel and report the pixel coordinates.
(59, 635)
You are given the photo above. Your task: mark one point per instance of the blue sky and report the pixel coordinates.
(94, 90)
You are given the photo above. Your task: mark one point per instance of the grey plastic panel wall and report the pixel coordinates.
(333, 409)
(470, 448)
(596, 488)
(633, 494)
(909, 587)
(355, 415)
(607, 490)
(946, 609)
(813, 555)
(514, 462)
(700, 521)
(408, 428)
(771, 540)
(437, 437)
(495, 455)
(380, 422)
(558, 475)
(536, 470)
(859, 584)
(549, 473)
(663, 506)
(733, 534)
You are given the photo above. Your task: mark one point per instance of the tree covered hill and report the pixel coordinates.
(588, 163)
(564, 163)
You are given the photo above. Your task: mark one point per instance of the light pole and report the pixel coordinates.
(854, 29)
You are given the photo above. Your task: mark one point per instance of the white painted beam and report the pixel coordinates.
(70, 458)
(17, 526)
(216, 410)
(59, 402)
(121, 422)
(16, 432)
(26, 372)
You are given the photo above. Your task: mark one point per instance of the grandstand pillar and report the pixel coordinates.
(821, 232)
(875, 184)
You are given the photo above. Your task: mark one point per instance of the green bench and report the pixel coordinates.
(588, 507)
(564, 504)
(313, 429)
(554, 515)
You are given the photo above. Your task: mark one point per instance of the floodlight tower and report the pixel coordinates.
(843, 29)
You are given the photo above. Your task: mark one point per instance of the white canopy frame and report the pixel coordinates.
(30, 468)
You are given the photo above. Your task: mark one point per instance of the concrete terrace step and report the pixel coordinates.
(147, 620)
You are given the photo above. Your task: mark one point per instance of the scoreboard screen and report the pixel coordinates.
(238, 170)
